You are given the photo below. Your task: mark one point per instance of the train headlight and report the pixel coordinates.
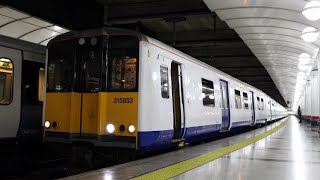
(47, 124)
(110, 128)
(131, 128)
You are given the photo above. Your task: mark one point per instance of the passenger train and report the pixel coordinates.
(22, 85)
(116, 88)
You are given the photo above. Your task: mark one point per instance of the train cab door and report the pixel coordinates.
(90, 63)
(225, 106)
(252, 107)
(177, 101)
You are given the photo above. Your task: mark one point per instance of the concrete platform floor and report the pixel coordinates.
(292, 153)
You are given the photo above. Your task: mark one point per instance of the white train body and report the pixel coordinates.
(157, 115)
(177, 98)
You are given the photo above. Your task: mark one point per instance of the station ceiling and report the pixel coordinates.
(199, 32)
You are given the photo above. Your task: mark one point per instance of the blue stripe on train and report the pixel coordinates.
(156, 140)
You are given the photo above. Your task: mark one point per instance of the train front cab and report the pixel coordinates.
(92, 90)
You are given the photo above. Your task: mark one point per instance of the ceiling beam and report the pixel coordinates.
(225, 56)
(158, 16)
(241, 67)
(200, 35)
(219, 43)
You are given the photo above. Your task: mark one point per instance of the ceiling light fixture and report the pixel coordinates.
(312, 10)
(310, 34)
(304, 58)
(301, 75)
(303, 67)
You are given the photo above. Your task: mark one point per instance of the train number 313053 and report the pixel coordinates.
(123, 100)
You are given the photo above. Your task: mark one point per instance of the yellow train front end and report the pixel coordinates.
(92, 89)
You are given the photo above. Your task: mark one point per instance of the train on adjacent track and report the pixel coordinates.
(115, 88)
(22, 80)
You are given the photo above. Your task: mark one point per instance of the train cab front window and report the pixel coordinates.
(123, 53)
(61, 56)
(6, 81)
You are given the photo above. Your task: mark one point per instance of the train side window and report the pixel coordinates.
(237, 96)
(164, 82)
(6, 81)
(245, 100)
(262, 104)
(207, 93)
(258, 103)
(41, 84)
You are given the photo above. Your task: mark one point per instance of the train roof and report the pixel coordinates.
(104, 31)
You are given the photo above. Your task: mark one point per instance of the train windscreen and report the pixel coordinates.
(123, 54)
(61, 62)
(93, 64)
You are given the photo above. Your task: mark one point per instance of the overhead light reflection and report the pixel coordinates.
(107, 176)
(298, 153)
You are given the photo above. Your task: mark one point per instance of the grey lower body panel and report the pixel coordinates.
(96, 140)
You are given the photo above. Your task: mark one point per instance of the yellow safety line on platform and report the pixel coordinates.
(184, 166)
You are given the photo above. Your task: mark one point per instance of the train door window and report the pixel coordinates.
(6, 81)
(245, 100)
(33, 83)
(207, 93)
(164, 82)
(41, 84)
(237, 96)
(262, 104)
(258, 102)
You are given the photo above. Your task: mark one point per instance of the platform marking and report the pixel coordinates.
(184, 166)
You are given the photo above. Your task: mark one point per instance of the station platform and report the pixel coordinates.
(281, 150)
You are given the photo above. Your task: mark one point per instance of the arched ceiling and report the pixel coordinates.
(201, 33)
(272, 30)
(25, 27)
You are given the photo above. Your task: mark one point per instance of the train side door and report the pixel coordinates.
(225, 107)
(10, 97)
(177, 101)
(253, 115)
(31, 99)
